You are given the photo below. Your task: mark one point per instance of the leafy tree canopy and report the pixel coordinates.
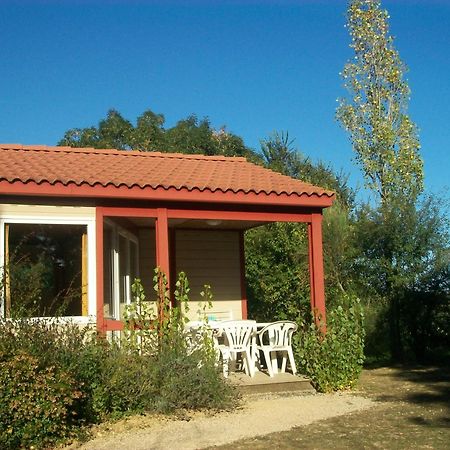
(279, 154)
(384, 138)
(189, 135)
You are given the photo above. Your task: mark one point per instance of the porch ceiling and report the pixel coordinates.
(213, 224)
(197, 224)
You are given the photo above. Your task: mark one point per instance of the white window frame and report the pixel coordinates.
(118, 231)
(55, 215)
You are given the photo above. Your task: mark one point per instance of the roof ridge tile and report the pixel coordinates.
(112, 151)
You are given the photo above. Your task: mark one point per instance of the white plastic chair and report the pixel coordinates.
(192, 333)
(238, 336)
(195, 333)
(277, 337)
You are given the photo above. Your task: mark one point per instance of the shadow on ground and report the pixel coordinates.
(412, 411)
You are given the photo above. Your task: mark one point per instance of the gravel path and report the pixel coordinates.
(260, 415)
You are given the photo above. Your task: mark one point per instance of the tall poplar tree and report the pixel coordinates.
(386, 144)
(374, 113)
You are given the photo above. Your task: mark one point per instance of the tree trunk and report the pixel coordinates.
(396, 344)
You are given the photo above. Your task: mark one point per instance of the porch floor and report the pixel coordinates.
(262, 382)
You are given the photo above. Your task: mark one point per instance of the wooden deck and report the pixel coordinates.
(262, 382)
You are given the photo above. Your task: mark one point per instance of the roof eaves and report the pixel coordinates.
(98, 190)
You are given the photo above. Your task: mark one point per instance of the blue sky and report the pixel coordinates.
(254, 66)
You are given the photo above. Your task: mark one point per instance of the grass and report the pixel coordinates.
(413, 411)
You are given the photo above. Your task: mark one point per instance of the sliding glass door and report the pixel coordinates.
(120, 261)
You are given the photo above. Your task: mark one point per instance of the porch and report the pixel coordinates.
(208, 245)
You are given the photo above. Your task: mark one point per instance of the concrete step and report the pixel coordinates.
(262, 382)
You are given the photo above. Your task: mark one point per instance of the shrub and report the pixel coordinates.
(36, 403)
(191, 381)
(177, 377)
(56, 343)
(333, 360)
(57, 377)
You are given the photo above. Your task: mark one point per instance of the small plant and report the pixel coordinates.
(205, 303)
(151, 325)
(333, 360)
(141, 323)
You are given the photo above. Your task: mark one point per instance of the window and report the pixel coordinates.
(45, 270)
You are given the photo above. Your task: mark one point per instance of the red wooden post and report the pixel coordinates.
(316, 267)
(311, 269)
(101, 326)
(172, 264)
(243, 281)
(162, 242)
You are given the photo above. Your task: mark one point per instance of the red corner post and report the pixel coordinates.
(162, 242)
(243, 280)
(101, 326)
(316, 271)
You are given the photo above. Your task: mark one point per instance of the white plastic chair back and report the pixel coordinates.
(238, 334)
(277, 334)
(238, 337)
(277, 337)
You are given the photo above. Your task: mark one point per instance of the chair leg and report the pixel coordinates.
(249, 365)
(274, 362)
(269, 363)
(292, 361)
(232, 360)
(283, 364)
(225, 363)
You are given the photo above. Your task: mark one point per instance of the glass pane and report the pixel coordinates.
(133, 263)
(108, 302)
(123, 270)
(45, 269)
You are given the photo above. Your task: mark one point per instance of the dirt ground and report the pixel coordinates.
(412, 411)
(393, 408)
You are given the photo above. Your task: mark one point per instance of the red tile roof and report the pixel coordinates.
(31, 165)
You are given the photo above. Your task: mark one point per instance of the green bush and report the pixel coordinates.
(177, 376)
(37, 405)
(57, 343)
(190, 381)
(57, 377)
(333, 360)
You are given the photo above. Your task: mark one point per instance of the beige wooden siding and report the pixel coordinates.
(147, 259)
(211, 257)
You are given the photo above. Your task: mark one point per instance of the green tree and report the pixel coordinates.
(384, 138)
(277, 254)
(189, 135)
(112, 132)
(279, 154)
(404, 263)
(386, 144)
(149, 133)
(402, 240)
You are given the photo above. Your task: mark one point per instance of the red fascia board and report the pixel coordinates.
(238, 215)
(253, 216)
(161, 194)
(113, 211)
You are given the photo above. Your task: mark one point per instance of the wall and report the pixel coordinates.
(147, 259)
(211, 257)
